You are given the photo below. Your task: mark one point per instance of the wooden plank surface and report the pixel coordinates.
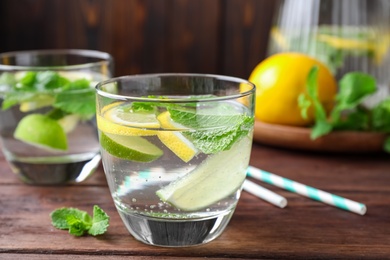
(305, 229)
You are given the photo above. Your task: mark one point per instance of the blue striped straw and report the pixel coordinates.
(307, 191)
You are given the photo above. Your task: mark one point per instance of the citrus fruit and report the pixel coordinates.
(134, 148)
(39, 101)
(215, 178)
(280, 79)
(69, 122)
(115, 120)
(41, 131)
(175, 141)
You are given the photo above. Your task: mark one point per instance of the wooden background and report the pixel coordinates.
(146, 36)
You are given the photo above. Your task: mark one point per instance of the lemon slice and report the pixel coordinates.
(112, 119)
(69, 122)
(219, 176)
(175, 141)
(41, 131)
(38, 102)
(134, 148)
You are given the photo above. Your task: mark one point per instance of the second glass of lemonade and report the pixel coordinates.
(47, 113)
(175, 148)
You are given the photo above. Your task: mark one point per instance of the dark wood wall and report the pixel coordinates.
(146, 36)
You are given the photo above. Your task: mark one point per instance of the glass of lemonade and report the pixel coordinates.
(175, 148)
(47, 115)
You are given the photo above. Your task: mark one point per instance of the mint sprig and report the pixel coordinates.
(45, 86)
(79, 222)
(349, 112)
(217, 125)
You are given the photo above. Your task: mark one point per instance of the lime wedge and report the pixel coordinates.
(114, 119)
(218, 176)
(134, 148)
(175, 141)
(41, 131)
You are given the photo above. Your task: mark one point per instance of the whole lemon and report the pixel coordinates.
(280, 79)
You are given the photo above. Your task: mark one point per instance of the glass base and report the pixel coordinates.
(55, 170)
(175, 233)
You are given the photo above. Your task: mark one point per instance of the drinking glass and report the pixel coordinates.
(47, 118)
(175, 149)
(347, 36)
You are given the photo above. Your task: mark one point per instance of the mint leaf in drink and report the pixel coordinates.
(206, 116)
(78, 222)
(77, 102)
(218, 125)
(32, 85)
(221, 139)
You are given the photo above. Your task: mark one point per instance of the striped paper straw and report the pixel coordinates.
(264, 194)
(307, 191)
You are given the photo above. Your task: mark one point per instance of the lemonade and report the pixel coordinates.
(175, 164)
(47, 116)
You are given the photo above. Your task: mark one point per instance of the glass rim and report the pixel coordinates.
(102, 57)
(176, 100)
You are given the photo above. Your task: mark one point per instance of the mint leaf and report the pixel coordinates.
(48, 80)
(13, 98)
(386, 145)
(33, 85)
(221, 139)
(100, 222)
(74, 102)
(59, 217)
(206, 116)
(78, 222)
(353, 88)
(304, 103)
(218, 125)
(358, 120)
(380, 116)
(321, 126)
(78, 84)
(77, 227)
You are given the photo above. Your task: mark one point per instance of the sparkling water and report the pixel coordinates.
(39, 166)
(148, 218)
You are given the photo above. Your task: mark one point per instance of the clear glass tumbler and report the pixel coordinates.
(47, 116)
(175, 148)
(347, 36)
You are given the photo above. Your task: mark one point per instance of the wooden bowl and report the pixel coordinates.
(299, 138)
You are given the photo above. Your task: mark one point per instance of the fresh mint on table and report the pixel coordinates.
(79, 222)
(349, 112)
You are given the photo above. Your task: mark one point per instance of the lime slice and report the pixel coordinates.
(114, 119)
(175, 141)
(134, 148)
(41, 131)
(220, 175)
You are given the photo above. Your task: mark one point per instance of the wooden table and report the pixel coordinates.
(305, 229)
